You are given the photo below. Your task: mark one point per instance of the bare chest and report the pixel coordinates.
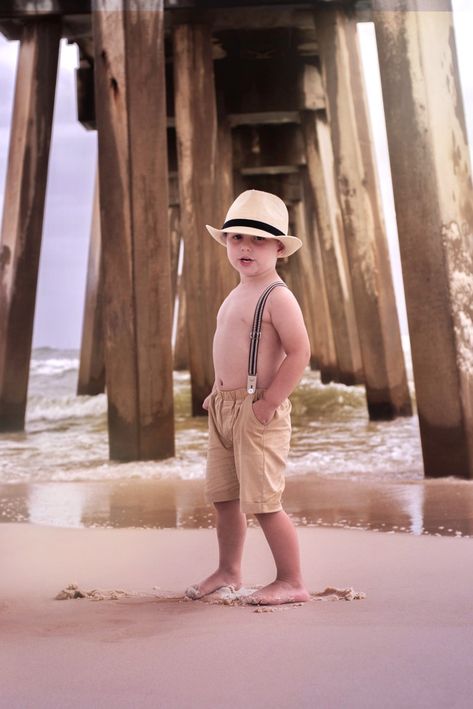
(232, 343)
(236, 317)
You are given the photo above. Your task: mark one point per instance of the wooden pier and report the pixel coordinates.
(194, 102)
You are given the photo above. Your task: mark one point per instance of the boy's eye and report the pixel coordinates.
(259, 238)
(236, 237)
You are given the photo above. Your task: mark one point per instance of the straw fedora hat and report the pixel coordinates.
(258, 214)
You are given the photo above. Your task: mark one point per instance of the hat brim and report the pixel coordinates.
(291, 243)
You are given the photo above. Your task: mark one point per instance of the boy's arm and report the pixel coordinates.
(288, 322)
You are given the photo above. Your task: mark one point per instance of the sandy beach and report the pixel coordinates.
(407, 644)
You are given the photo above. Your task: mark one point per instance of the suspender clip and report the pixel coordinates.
(251, 384)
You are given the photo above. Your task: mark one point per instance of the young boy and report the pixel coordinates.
(249, 424)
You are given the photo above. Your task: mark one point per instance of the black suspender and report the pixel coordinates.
(255, 335)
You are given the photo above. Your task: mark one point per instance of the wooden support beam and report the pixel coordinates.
(226, 193)
(284, 14)
(300, 268)
(91, 379)
(278, 86)
(247, 110)
(308, 283)
(327, 359)
(387, 392)
(320, 191)
(129, 72)
(262, 43)
(181, 349)
(46, 8)
(23, 212)
(286, 186)
(264, 148)
(434, 207)
(243, 17)
(207, 273)
(85, 93)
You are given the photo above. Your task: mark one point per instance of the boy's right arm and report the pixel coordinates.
(288, 322)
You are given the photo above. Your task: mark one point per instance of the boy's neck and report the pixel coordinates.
(261, 280)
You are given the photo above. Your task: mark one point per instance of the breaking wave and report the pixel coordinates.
(66, 435)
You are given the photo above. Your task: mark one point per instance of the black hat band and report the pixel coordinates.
(253, 223)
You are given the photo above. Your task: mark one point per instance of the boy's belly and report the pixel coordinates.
(231, 366)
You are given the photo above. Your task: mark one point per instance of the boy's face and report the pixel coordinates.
(252, 255)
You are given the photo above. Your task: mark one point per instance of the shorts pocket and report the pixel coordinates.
(282, 410)
(254, 416)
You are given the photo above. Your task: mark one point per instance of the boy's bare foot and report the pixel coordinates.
(212, 583)
(277, 593)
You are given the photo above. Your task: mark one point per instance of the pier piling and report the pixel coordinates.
(23, 213)
(129, 90)
(433, 196)
(373, 292)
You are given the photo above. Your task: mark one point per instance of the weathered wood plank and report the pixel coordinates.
(378, 325)
(23, 212)
(319, 306)
(129, 71)
(283, 17)
(308, 283)
(319, 181)
(240, 17)
(91, 378)
(434, 207)
(226, 168)
(207, 273)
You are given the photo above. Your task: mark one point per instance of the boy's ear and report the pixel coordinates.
(280, 247)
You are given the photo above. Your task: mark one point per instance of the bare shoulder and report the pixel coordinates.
(283, 301)
(287, 319)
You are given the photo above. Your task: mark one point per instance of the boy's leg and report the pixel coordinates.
(282, 539)
(231, 532)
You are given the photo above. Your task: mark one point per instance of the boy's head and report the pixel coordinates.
(258, 214)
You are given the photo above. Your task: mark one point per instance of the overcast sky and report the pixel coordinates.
(61, 286)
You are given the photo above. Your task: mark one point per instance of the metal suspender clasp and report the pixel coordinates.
(251, 384)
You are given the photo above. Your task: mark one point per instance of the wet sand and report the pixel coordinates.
(437, 507)
(408, 643)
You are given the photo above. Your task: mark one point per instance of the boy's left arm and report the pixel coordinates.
(288, 322)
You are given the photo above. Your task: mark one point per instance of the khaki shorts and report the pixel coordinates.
(246, 459)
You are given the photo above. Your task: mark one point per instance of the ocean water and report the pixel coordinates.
(343, 470)
(65, 437)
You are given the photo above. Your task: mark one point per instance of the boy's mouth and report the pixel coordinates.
(246, 260)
